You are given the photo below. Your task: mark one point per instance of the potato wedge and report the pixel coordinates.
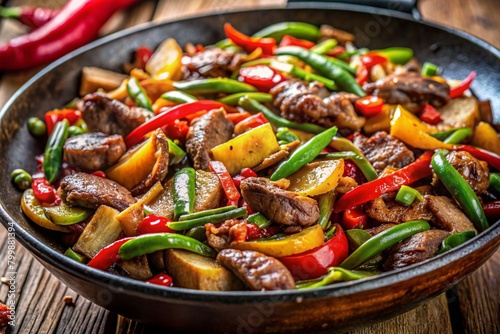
(459, 113)
(95, 78)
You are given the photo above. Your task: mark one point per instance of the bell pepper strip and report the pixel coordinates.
(458, 136)
(236, 117)
(430, 115)
(455, 240)
(108, 255)
(369, 105)
(206, 213)
(184, 191)
(138, 94)
(32, 17)
(334, 274)
(154, 224)
(150, 243)
(406, 195)
(74, 255)
(248, 43)
(415, 171)
(288, 40)
(296, 29)
(324, 47)
(57, 115)
(232, 194)
(460, 190)
(361, 74)
(178, 97)
(43, 191)
(245, 173)
(325, 203)
(325, 67)
(259, 219)
(396, 55)
(304, 154)
(347, 148)
(354, 218)
(168, 117)
(315, 262)
(429, 69)
(464, 85)
(254, 107)
(382, 241)
(492, 210)
(213, 219)
(491, 158)
(442, 135)
(176, 130)
(261, 77)
(297, 72)
(495, 183)
(53, 154)
(250, 122)
(213, 85)
(371, 59)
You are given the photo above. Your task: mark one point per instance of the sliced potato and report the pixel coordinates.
(317, 178)
(95, 78)
(459, 113)
(32, 208)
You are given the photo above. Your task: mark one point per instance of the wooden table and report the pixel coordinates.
(471, 307)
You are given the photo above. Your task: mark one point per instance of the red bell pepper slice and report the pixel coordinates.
(315, 262)
(492, 210)
(430, 115)
(491, 158)
(371, 59)
(44, 192)
(248, 43)
(245, 173)
(336, 51)
(354, 218)
(169, 116)
(142, 55)
(56, 115)
(415, 171)
(154, 224)
(464, 85)
(161, 279)
(253, 121)
(177, 130)
(228, 186)
(236, 117)
(369, 105)
(288, 40)
(261, 77)
(108, 255)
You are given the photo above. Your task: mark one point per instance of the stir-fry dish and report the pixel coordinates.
(289, 159)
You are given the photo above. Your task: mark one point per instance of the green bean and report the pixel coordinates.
(495, 182)
(178, 97)
(259, 219)
(458, 135)
(326, 202)
(296, 29)
(53, 155)
(257, 96)
(138, 95)
(335, 274)
(206, 213)
(217, 218)
(213, 85)
(397, 55)
(184, 191)
(324, 46)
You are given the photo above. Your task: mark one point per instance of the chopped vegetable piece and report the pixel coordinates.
(184, 192)
(259, 219)
(369, 105)
(21, 178)
(289, 40)
(326, 202)
(296, 29)
(458, 136)
(464, 85)
(154, 224)
(215, 218)
(430, 115)
(495, 182)
(53, 155)
(354, 218)
(213, 85)
(63, 214)
(161, 279)
(324, 46)
(249, 44)
(108, 255)
(429, 69)
(206, 213)
(178, 97)
(234, 98)
(261, 77)
(316, 178)
(397, 55)
(35, 212)
(74, 255)
(138, 95)
(36, 126)
(406, 195)
(335, 274)
(455, 240)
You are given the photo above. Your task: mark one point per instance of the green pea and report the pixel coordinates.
(36, 126)
(75, 131)
(21, 178)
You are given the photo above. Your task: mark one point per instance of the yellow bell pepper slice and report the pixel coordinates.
(34, 210)
(165, 63)
(297, 243)
(486, 137)
(317, 178)
(379, 122)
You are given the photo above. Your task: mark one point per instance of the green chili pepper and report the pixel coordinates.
(397, 55)
(74, 255)
(351, 53)
(304, 154)
(343, 144)
(335, 274)
(75, 131)
(300, 73)
(21, 178)
(206, 213)
(199, 233)
(326, 202)
(458, 135)
(53, 155)
(382, 241)
(138, 95)
(442, 135)
(255, 107)
(150, 243)
(213, 85)
(184, 191)
(406, 195)
(36, 126)
(325, 67)
(324, 46)
(178, 97)
(495, 182)
(429, 69)
(296, 29)
(175, 153)
(257, 96)
(217, 218)
(455, 240)
(342, 64)
(285, 136)
(357, 237)
(259, 219)
(460, 190)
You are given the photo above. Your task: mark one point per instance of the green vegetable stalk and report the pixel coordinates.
(138, 95)
(53, 155)
(216, 218)
(213, 85)
(184, 191)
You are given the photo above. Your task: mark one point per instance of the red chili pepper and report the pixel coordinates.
(161, 279)
(177, 112)
(371, 59)
(253, 121)
(290, 40)
(99, 173)
(154, 224)
(415, 171)
(315, 262)
(491, 158)
(492, 210)
(354, 218)
(351, 170)
(177, 130)
(44, 192)
(76, 24)
(254, 232)
(369, 105)
(430, 115)
(248, 43)
(56, 115)
(261, 77)
(245, 173)
(230, 190)
(236, 117)
(142, 55)
(108, 255)
(464, 85)
(32, 17)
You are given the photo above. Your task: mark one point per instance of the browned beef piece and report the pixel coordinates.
(90, 191)
(383, 150)
(326, 32)
(218, 236)
(312, 103)
(417, 248)
(102, 114)
(211, 63)
(448, 216)
(409, 89)
(260, 272)
(94, 151)
(205, 133)
(280, 206)
(475, 171)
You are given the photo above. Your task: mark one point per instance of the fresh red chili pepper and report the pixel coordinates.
(290, 40)
(254, 232)
(491, 158)
(415, 171)
(161, 279)
(76, 24)
(230, 190)
(371, 59)
(430, 115)
(43, 191)
(248, 43)
(464, 85)
(177, 130)
(56, 115)
(236, 117)
(492, 210)
(32, 17)
(108, 255)
(164, 118)
(354, 218)
(142, 55)
(154, 224)
(315, 262)
(261, 77)
(369, 105)
(99, 173)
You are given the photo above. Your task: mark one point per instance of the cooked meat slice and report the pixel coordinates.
(90, 191)
(326, 31)
(219, 236)
(102, 114)
(409, 89)
(448, 216)
(383, 150)
(205, 133)
(260, 272)
(417, 248)
(211, 63)
(280, 206)
(474, 171)
(312, 103)
(94, 151)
